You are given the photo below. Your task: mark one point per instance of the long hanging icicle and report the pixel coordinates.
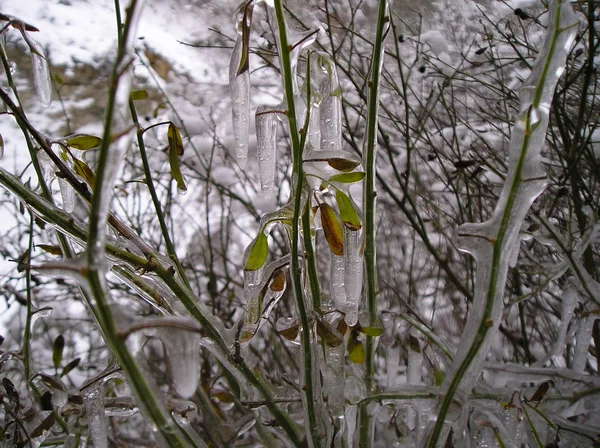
(327, 90)
(266, 146)
(491, 242)
(239, 82)
(41, 73)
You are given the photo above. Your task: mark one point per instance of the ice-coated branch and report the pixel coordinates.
(491, 243)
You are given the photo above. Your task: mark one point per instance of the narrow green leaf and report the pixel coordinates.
(342, 164)
(356, 350)
(438, 376)
(24, 261)
(332, 229)
(258, 254)
(137, 95)
(51, 249)
(347, 212)
(348, 178)
(246, 25)
(175, 150)
(72, 365)
(83, 142)
(57, 350)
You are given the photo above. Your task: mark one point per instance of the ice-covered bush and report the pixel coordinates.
(310, 289)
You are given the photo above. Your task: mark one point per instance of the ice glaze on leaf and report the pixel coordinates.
(51, 249)
(327, 334)
(175, 150)
(347, 212)
(278, 282)
(258, 254)
(83, 142)
(347, 178)
(290, 333)
(371, 331)
(332, 229)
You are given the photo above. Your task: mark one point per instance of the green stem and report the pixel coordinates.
(157, 205)
(369, 156)
(27, 331)
(308, 389)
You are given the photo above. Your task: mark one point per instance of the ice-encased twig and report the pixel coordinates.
(491, 242)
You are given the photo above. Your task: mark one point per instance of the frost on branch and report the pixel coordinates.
(491, 243)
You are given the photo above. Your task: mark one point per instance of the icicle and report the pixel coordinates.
(239, 83)
(41, 73)
(353, 279)
(582, 342)
(333, 375)
(327, 88)
(251, 296)
(93, 398)
(68, 195)
(338, 279)
(266, 144)
(183, 358)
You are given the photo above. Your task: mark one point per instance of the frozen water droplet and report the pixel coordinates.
(12, 67)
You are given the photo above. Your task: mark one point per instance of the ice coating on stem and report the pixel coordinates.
(333, 373)
(41, 73)
(239, 83)
(491, 242)
(93, 398)
(353, 274)
(183, 357)
(266, 145)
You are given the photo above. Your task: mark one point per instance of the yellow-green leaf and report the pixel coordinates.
(83, 142)
(348, 178)
(347, 211)
(258, 254)
(137, 95)
(356, 350)
(82, 169)
(438, 376)
(332, 229)
(342, 164)
(246, 25)
(371, 331)
(175, 150)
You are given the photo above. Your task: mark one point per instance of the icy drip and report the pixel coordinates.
(41, 73)
(326, 85)
(266, 145)
(338, 281)
(239, 83)
(183, 358)
(491, 242)
(353, 274)
(97, 422)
